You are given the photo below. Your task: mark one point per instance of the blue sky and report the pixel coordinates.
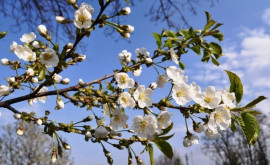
(247, 52)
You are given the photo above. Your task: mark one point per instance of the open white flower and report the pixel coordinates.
(194, 90)
(56, 78)
(13, 46)
(137, 72)
(4, 90)
(181, 93)
(124, 81)
(27, 38)
(41, 99)
(188, 141)
(176, 74)
(142, 54)
(101, 132)
(124, 57)
(125, 100)
(220, 118)
(24, 53)
(209, 98)
(118, 119)
(228, 98)
(145, 127)
(49, 58)
(199, 128)
(161, 80)
(83, 16)
(142, 95)
(212, 134)
(174, 56)
(164, 119)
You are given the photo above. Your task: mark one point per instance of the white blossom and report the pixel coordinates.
(65, 81)
(59, 103)
(25, 53)
(101, 132)
(30, 72)
(36, 45)
(199, 128)
(10, 79)
(145, 127)
(88, 134)
(124, 57)
(41, 99)
(194, 90)
(181, 93)
(228, 98)
(188, 141)
(27, 38)
(34, 80)
(209, 98)
(4, 90)
(153, 85)
(118, 119)
(142, 96)
(124, 81)
(164, 119)
(161, 80)
(39, 122)
(142, 54)
(42, 30)
(56, 78)
(125, 100)
(17, 116)
(137, 72)
(220, 118)
(13, 46)
(126, 11)
(49, 58)
(83, 16)
(174, 56)
(4, 61)
(176, 74)
(212, 134)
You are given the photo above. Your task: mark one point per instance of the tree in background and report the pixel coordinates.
(32, 148)
(164, 160)
(232, 147)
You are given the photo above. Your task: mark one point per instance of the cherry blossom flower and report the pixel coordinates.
(124, 81)
(41, 99)
(118, 119)
(164, 119)
(199, 128)
(56, 78)
(142, 96)
(27, 38)
(125, 100)
(49, 58)
(209, 98)
(30, 72)
(174, 56)
(228, 98)
(137, 72)
(181, 93)
(4, 90)
(161, 80)
(83, 16)
(176, 74)
(124, 57)
(142, 54)
(220, 118)
(13, 46)
(188, 141)
(101, 132)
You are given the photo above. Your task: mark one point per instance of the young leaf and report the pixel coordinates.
(208, 16)
(168, 129)
(169, 33)
(236, 85)
(233, 126)
(216, 48)
(250, 127)
(209, 24)
(158, 39)
(165, 148)
(218, 36)
(3, 34)
(196, 49)
(151, 154)
(165, 137)
(42, 74)
(127, 1)
(168, 44)
(214, 61)
(254, 102)
(182, 65)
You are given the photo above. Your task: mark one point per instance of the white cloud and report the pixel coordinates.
(266, 16)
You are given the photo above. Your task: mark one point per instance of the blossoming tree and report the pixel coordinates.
(211, 110)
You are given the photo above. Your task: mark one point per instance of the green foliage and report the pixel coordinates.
(151, 153)
(3, 34)
(253, 103)
(164, 147)
(236, 85)
(250, 127)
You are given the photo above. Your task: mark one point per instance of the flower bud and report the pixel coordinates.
(71, 2)
(42, 30)
(17, 116)
(108, 154)
(39, 122)
(35, 45)
(66, 146)
(81, 58)
(30, 72)
(54, 156)
(65, 81)
(148, 60)
(128, 28)
(125, 11)
(81, 82)
(88, 134)
(4, 61)
(20, 131)
(10, 79)
(60, 19)
(60, 103)
(34, 80)
(125, 35)
(153, 85)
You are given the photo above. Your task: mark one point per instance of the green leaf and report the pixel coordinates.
(168, 129)
(165, 137)
(42, 74)
(56, 47)
(158, 39)
(182, 65)
(182, 32)
(206, 56)
(165, 148)
(151, 153)
(3, 34)
(196, 49)
(127, 1)
(214, 61)
(60, 151)
(168, 44)
(250, 127)
(208, 16)
(253, 103)
(236, 85)
(216, 48)
(218, 36)
(233, 126)
(209, 24)
(216, 26)
(169, 33)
